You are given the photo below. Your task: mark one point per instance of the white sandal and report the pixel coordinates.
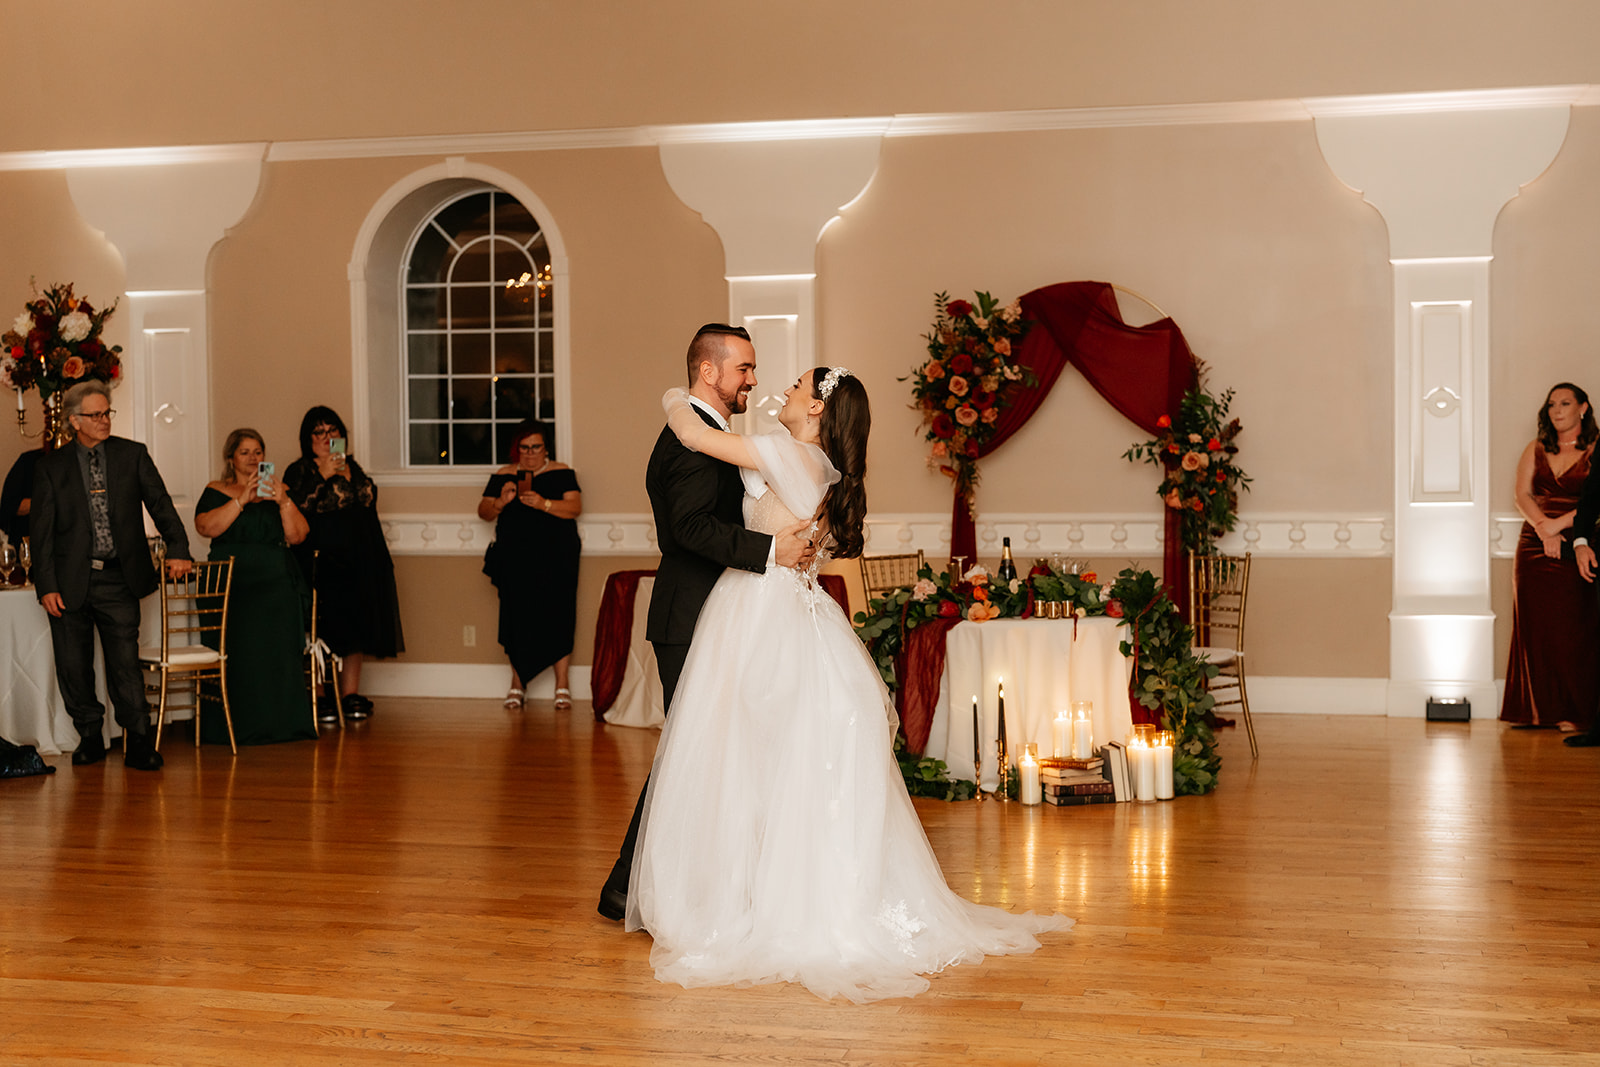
(563, 699)
(514, 698)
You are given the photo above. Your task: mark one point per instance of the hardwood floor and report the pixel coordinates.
(421, 888)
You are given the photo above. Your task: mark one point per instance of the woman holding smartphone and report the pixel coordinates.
(534, 503)
(249, 518)
(358, 603)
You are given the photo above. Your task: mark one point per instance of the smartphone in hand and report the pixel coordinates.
(336, 449)
(264, 478)
(525, 482)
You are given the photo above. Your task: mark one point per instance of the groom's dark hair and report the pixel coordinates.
(708, 346)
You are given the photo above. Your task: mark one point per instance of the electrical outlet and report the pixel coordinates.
(469, 636)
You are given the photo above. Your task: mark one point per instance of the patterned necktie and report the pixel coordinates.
(99, 509)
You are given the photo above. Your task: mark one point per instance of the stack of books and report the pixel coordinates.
(1068, 781)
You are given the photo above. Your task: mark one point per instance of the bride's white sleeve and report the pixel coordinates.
(799, 473)
(682, 420)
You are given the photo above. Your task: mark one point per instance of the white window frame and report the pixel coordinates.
(377, 327)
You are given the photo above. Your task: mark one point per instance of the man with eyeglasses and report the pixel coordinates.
(92, 566)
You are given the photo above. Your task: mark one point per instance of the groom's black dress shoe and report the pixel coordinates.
(613, 904)
(1582, 741)
(91, 749)
(139, 753)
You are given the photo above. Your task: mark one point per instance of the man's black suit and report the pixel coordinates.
(698, 504)
(1583, 525)
(107, 598)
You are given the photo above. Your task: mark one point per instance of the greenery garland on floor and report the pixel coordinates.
(1168, 677)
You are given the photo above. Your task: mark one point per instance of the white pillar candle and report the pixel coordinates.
(1143, 767)
(1163, 754)
(1029, 791)
(1082, 729)
(1061, 740)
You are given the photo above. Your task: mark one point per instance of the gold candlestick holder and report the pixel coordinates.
(1002, 789)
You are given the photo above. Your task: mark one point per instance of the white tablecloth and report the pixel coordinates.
(639, 701)
(31, 708)
(1046, 664)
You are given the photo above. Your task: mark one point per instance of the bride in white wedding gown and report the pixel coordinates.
(778, 842)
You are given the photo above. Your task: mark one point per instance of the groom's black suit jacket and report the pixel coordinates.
(1589, 508)
(698, 507)
(63, 530)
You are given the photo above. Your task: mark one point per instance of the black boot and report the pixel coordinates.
(139, 752)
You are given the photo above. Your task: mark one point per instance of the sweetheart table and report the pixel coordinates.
(1046, 665)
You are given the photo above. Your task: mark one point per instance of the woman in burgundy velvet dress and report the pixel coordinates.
(1553, 678)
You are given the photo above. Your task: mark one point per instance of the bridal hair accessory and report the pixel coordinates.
(831, 379)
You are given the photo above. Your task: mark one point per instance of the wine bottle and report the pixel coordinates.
(1008, 566)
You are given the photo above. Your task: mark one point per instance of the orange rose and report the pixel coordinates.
(934, 370)
(72, 368)
(959, 385)
(1191, 461)
(966, 415)
(981, 612)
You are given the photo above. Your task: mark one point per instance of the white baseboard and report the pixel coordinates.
(380, 679)
(1281, 695)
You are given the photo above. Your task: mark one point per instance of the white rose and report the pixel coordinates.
(75, 326)
(975, 572)
(23, 323)
(981, 322)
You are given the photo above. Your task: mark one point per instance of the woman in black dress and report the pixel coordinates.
(534, 503)
(357, 603)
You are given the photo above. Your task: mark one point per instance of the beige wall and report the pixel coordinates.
(295, 69)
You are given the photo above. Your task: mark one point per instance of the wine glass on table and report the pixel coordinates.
(8, 561)
(25, 560)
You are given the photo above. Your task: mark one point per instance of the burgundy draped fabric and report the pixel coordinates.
(918, 669)
(613, 631)
(1143, 371)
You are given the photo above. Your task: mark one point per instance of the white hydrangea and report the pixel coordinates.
(23, 323)
(75, 326)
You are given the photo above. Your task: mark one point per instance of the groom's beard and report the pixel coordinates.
(736, 401)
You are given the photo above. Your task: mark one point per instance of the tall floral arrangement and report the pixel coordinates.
(964, 384)
(55, 344)
(1200, 478)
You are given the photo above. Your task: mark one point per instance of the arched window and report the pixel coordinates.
(479, 330)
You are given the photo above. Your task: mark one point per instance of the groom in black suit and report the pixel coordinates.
(1583, 523)
(92, 565)
(699, 515)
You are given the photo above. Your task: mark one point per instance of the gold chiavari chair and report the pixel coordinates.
(1218, 588)
(884, 574)
(192, 607)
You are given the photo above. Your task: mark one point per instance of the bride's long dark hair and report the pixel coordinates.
(843, 428)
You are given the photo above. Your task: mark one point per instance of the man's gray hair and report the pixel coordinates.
(72, 400)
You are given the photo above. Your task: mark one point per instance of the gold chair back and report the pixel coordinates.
(192, 608)
(1219, 588)
(884, 574)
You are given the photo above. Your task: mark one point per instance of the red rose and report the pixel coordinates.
(958, 309)
(1114, 609)
(949, 609)
(1214, 445)
(16, 351)
(972, 450)
(982, 400)
(1164, 422)
(961, 364)
(1222, 476)
(943, 426)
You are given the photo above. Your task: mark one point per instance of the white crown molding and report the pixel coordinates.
(80, 159)
(1468, 100)
(909, 125)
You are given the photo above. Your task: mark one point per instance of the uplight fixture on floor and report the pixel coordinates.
(1449, 709)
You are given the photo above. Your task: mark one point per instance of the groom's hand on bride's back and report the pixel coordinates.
(792, 546)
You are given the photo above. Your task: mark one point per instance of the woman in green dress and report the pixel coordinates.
(249, 517)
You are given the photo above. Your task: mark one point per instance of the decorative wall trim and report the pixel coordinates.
(1504, 531)
(468, 535)
(912, 125)
(1308, 536)
(1317, 696)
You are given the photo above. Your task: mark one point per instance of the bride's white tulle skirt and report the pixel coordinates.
(779, 844)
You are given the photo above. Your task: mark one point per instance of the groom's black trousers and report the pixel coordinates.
(669, 665)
